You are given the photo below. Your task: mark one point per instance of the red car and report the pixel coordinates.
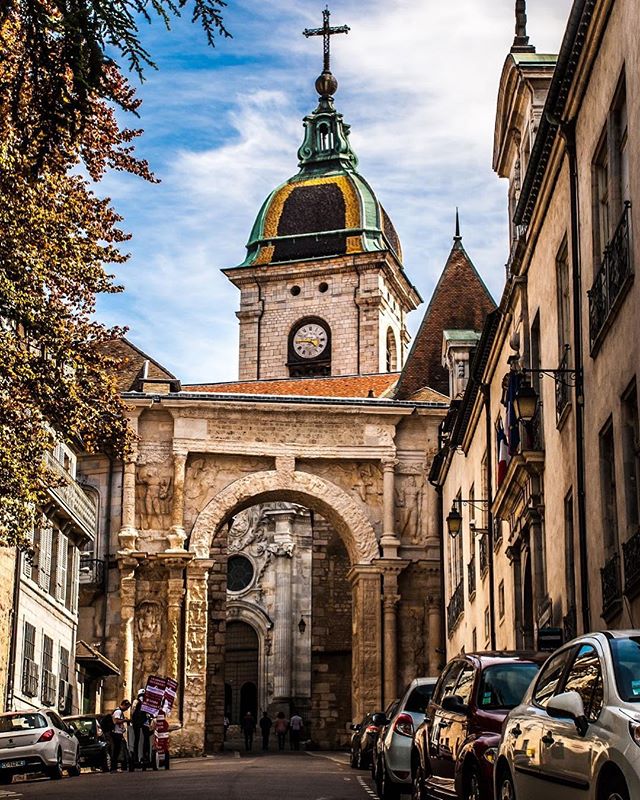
(455, 747)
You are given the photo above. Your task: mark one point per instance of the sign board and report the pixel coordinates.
(550, 638)
(154, 694)
(169, 695)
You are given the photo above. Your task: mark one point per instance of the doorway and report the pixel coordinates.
(241, 671)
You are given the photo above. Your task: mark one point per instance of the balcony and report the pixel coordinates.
(91, 571)
(611, 588)
(471, 577)
(610, 283)
(631, 559)
(72, 500)
(563, 389)
(455, 609)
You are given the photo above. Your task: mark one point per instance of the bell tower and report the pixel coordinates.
(322, 289)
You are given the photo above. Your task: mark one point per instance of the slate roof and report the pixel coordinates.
(459, 301)
(131, 365)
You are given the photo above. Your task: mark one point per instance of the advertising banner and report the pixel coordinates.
(154, 694)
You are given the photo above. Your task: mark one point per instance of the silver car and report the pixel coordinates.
(576, 734)
(393, 758)
(36, 741)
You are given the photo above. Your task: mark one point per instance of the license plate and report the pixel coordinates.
(12, 764)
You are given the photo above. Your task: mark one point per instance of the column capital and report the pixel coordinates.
(390, 602)
(389, 463)
(359, 571)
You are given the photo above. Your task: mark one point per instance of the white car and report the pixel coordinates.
(393, 750)
(36, 741)
(577, 732)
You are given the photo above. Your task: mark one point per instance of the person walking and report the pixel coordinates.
(120, 723)
(141, 722)
(265, 727)
(248, 728)
(281, 727)
(296, 725)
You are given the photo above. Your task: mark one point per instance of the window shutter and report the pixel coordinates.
(27, 566)
(44, 559)
(61, 568)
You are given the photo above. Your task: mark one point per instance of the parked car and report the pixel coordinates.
(363, 740)
(94, 747)
(455, 748)
(576, 733)
(393, 752)
(36, 741)
(389, 714)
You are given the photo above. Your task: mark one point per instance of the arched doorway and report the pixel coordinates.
(241, 671)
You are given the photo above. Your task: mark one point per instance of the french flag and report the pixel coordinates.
(503, 453)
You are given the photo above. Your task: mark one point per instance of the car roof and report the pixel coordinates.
(487, 658)
(25, 711)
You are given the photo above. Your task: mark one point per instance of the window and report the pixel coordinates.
(608, 490)
(464, 686)
(239, 573)
(44, 558)
(447, 681)
(569, 552)
(631, 456)
(392, 351)
(585, 678)
(504, 685)
(626, 663)
(64, 686)
(601, 199)
(60, 572)
(501, 599)
(48, 689)
(419, 698)
(487, 624)
(550, 678)
(563, 299)
(29, 666)
(474, 640)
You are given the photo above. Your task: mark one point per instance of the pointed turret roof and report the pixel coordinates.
(460, 301)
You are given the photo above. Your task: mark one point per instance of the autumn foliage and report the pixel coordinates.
(58, 135)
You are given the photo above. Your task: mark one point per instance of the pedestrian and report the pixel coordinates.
(281, 727)
(296, 725)
(265, 727)
(225, 726)
(120, 723)
(141, 722)
(248, 728)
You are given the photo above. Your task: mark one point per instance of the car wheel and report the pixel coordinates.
(417, 786)
(55, 772)
(75, 770)
(472, 788)
(616, 789)
(506, 789)
(389, 789)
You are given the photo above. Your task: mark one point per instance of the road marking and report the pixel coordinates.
(367, 789)
(8, 793)
(342, 761)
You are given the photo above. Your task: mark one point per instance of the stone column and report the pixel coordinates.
(176, 536)
(128, 534)
(175, 599)
(391, 570)
(389, 541)
(282, 550)
(366, 667)
(128, 568)
(191, 741)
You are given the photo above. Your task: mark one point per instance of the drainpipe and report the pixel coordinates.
(356, 295)
(485, 388)
(11, 666)
(568, 132)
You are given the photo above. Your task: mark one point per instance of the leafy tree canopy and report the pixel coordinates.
(58, 135)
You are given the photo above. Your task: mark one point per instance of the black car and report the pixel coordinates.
(94, 747)
(364, 739)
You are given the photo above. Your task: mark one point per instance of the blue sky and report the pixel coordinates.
(418, 84)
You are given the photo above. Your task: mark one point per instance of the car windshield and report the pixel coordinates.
(504, 685)
(626, 664)
(22, 722)
(84, 727)
(419, 698)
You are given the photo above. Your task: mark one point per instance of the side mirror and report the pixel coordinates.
(354, 727)
(455, 704)
(568, 705)
(379, 720)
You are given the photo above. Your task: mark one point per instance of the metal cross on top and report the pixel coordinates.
(326, 31)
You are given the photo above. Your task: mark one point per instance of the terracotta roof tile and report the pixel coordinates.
(378, 385)
(459, 301)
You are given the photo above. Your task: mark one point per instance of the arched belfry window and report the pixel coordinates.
(392, 351)
(325, 138)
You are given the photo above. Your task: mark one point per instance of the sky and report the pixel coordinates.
(222, 126)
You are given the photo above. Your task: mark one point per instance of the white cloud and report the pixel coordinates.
(418, 83)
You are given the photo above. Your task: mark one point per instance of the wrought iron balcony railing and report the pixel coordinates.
(631, 560)
(563, 388)
(91, 571)
(483, 552)
(455, 607)
(471, 577)
(70, 494)
(611, 587)
(610, 281)
(570, 624)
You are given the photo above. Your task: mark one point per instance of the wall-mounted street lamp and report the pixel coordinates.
(302, 625)
(526, 400)
(454, 517)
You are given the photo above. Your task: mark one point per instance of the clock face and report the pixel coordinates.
(310, 340)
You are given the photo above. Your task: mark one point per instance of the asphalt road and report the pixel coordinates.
(233, 776)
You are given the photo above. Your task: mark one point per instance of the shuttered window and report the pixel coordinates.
(44, 559)
(61, 567)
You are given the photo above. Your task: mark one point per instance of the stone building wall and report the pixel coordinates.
(7, 574)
